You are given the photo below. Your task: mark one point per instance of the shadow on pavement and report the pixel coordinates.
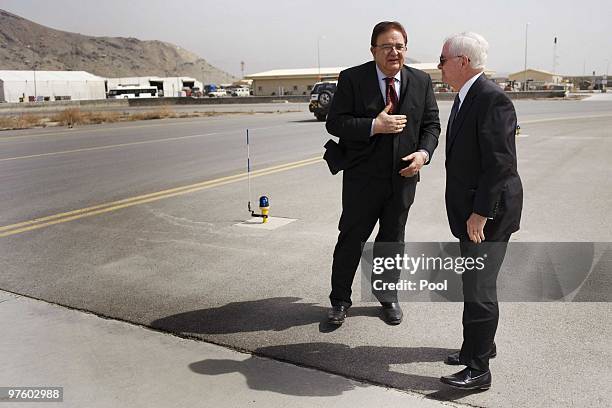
(306, 121)
(277, 314)
(388, 366)
(451, 394)
(369, 363)
(267, 375)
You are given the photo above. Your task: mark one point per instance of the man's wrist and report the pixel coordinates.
(425, 154)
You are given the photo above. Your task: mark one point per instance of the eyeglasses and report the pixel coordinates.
(444, 59)
(388, 47)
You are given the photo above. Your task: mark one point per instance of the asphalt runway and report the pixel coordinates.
(136, 222)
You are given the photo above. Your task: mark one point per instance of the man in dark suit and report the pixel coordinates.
(484, 196)
(386, 118)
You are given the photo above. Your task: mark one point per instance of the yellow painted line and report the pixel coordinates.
(88, 149)
(147, 198)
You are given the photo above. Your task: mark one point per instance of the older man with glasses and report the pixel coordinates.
(484, 196)
(386, 118)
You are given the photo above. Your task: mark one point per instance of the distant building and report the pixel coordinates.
(290, 81)
(536, 77)
(28, 86)
(300, 81)
(169, 86)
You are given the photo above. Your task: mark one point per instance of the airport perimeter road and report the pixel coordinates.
(230, 107)
(138, 224)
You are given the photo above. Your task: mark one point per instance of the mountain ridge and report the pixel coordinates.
(25, 45)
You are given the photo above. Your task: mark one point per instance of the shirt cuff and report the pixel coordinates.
(426, 155)
(372, 128)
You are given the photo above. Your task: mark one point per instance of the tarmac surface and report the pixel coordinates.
(176, 262)
(106, 363)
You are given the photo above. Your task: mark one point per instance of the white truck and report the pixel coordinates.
(241, 92)
(217, 93)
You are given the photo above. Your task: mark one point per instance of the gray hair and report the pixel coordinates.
(471, 45)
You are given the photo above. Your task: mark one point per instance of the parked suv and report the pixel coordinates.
(320, 98)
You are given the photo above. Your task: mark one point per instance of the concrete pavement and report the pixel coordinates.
(107, 363)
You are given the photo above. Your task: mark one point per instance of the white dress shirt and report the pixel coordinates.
(382, 83)
(465, 88)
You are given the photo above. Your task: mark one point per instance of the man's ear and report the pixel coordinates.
(372, 51)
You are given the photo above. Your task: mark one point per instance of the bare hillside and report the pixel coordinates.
(25, 44)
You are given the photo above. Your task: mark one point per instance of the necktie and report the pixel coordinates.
(391, 95)
(453, 114)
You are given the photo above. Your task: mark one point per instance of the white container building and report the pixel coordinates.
(28, 86)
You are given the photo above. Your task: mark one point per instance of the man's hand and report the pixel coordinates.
(385, 123)
(417, 159)
(475, 227)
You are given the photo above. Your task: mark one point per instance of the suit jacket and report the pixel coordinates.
(481, 170)
(358, 100)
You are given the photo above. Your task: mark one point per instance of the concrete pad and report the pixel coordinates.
(106, 363)
(272, 224)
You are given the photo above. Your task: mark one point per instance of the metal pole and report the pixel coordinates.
(554, 62)
(319, 56)
(178, 84)
(319, 38)
(248, 168)
(604, 81)
(35, 96)
(525, 72)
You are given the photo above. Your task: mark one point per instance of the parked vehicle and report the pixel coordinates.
(241, 92)
(193, 92)
(321, 97)
(217, 93)
(208, 88)
(133, 91)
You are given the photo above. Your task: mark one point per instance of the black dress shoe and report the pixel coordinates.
(392, 313)
(453, 359)
(469, 379)
(336, 315)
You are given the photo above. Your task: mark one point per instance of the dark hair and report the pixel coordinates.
(385, 26)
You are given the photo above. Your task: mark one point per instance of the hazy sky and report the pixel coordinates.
(283, 34)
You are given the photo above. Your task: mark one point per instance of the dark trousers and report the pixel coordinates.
(363, 204)
(480, 308)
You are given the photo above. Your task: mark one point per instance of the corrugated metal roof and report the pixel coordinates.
(542, 71)
(148, 78)
(424, 66)
(296, 72)
(9, 76)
